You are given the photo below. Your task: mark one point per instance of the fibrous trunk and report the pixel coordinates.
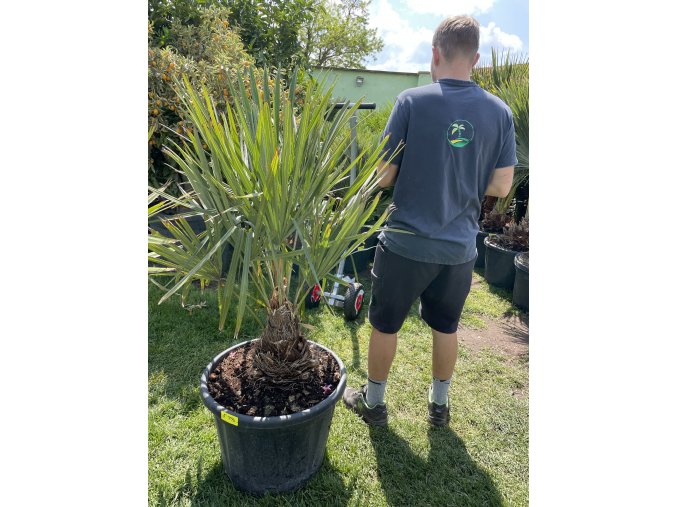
(283, 356)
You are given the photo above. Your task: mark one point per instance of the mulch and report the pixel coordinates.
(236, 385)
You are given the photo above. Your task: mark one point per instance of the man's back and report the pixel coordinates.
(455, 135)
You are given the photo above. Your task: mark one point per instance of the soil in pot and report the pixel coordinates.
(234, 383)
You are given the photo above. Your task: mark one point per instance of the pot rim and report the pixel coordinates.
(519, 261)
(487, 243)
(258, 422)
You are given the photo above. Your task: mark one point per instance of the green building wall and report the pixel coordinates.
(381, 87)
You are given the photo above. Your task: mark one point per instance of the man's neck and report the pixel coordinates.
(461, 76)
(454, 70)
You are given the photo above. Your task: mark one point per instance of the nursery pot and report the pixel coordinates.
(479, 241)
(520, 292)
(196, 223)
(499, 265)
(272, 454)
(362, 257)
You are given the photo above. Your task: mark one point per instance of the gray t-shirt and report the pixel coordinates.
(455, 134)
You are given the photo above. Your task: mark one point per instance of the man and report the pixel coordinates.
(458, 145)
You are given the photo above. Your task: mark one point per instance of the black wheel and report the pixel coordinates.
(352, 305)
(314, 296)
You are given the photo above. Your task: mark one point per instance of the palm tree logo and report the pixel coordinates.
(460, 133)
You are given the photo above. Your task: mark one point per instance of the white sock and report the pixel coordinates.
(376, 392)
(439, 391)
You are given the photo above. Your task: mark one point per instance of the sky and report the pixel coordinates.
(407, 26)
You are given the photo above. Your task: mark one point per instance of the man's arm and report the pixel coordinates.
(501, 181)
(389, 173)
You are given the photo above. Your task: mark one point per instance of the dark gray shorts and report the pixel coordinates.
(398, 281)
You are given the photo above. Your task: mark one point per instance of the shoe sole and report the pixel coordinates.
(437, 423)
(375, 423)
(370, 423)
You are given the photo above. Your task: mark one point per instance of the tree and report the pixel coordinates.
(161, 14)
(207, 52)
(457, 126)
(281, 33)
(338, 35)
(270, 29)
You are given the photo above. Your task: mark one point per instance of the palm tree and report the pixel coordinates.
(515, 93)
(266, 175)
(457, 127)
(508, 77)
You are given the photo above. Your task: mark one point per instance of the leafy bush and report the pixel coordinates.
(515, 236)
(495, 221)
(207, 54)
(371, 125)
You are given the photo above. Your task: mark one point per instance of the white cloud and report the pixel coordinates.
(408, 49)
(402, 49)
(450, 7)
(493, 36)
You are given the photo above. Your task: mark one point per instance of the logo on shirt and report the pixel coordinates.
(460, 133)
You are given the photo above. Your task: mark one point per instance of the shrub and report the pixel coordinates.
(515, 236)
(207, 54)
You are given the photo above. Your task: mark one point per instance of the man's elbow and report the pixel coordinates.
(503, 191)
(500, 191)
(501, 182)
(384, 183)
(387, 175)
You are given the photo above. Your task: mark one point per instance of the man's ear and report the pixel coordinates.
(476, 59)
(436, 56)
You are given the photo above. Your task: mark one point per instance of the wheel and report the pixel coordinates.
(353, 301)
(313, 297)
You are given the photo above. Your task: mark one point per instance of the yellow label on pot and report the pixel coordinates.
(230, 419)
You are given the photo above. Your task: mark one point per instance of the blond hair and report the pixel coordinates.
(457, 36)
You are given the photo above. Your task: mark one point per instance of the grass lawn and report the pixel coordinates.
(481, 459)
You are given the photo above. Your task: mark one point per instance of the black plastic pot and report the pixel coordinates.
(479, 241)
(272, 454)
(362, 257)
(520, 291)
(499, 265)
(196, 223)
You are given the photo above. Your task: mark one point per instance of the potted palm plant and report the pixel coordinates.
(501, 249)
(264, 186)
(492, 222)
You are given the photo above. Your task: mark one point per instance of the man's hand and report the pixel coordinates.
(501, 182)
(388, 173)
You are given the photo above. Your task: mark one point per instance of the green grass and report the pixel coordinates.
(482, 459)
(486, 301)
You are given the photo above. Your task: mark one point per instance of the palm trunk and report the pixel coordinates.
(283, 356)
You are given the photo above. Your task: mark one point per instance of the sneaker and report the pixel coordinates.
(356, 400)
(438, 415)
